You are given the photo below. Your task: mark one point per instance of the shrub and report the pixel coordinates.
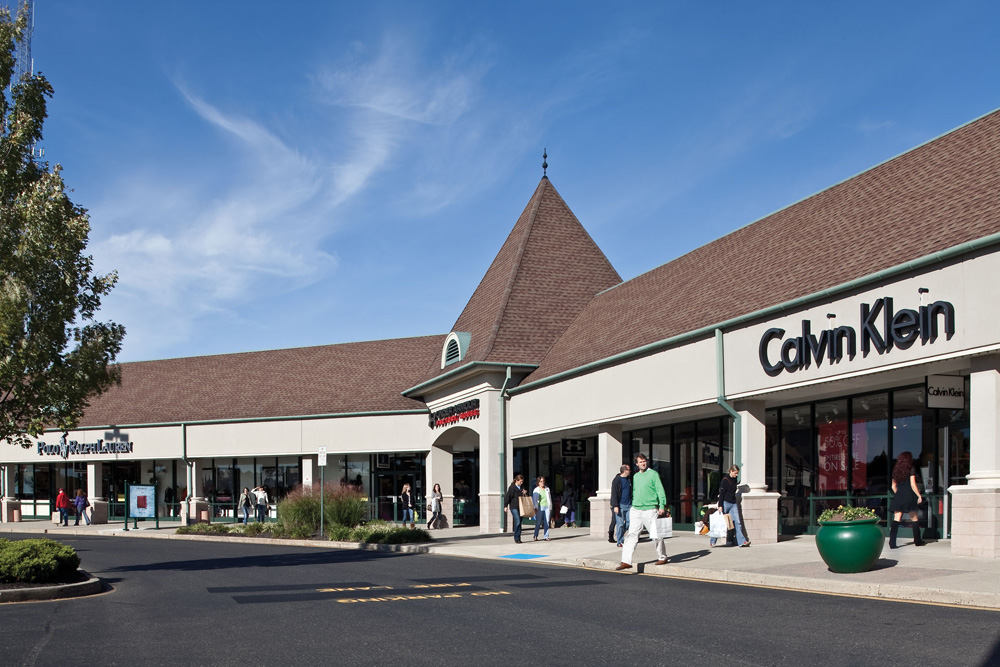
(339, 533)
(847, 514)
(36, 561)
(205, 529)
(383, 532)
(299, 510)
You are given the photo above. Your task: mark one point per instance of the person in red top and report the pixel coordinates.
(62, 504)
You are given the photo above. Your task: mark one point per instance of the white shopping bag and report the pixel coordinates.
(663, 527)
(717, 527)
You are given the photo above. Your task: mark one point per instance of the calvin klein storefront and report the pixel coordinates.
(842, 451)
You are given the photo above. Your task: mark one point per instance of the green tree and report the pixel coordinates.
(54, 355)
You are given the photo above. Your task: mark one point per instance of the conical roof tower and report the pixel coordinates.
(546, 272)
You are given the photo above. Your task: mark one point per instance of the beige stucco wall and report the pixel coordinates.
(968, 286)
(671, 379)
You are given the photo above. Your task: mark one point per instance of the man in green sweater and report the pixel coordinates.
(649, 501)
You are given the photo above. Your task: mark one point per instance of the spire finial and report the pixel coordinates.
(545, 165)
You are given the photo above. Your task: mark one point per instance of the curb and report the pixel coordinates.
(57, 592)
(888, 592)
(416, 548)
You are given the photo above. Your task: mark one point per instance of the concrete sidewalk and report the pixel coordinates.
(925, 574)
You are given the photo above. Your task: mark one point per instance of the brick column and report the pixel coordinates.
(975, 507)
(759, 507)
(8, 504)
(609, 461)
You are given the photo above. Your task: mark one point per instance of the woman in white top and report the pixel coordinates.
(542, 499)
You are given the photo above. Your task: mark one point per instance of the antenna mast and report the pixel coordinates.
(25, 66)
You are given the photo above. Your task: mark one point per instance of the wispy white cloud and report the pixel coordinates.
(213, 249)
(869, 127)
(190, 251)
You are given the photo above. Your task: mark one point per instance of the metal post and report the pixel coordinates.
(322, 488)
(126, 505)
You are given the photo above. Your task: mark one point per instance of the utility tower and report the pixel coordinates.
(25, 66)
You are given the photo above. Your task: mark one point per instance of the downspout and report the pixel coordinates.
(189, 478)
(720, 383)
(503, 448)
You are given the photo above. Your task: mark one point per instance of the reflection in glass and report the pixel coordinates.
(684, 436)
(772, 462)
(710, 452)
(870, 440)
(834, 457)
(798, 467)
(913, 431)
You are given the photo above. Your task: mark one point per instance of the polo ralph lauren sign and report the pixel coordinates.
(66, 447)
(899, 329)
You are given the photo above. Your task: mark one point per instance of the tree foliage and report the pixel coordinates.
(54, 355)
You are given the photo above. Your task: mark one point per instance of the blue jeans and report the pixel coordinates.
(733, 510)
(621, 522)
(246, 513)
(63, 516)
(515, 516)
(542, 519)
(407, 515)
(433, 520)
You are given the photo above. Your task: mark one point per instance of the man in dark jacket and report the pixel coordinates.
(511, 502)
(621, 502)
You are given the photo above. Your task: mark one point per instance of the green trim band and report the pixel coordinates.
(463, 369)
(249, 420)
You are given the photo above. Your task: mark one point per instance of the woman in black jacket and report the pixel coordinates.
(407, 500)
(728, 503)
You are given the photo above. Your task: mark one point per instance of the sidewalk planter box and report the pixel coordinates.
(850, 546)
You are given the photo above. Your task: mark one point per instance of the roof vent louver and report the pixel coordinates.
(456, 345)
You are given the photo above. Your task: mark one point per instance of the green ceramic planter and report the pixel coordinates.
(850, 546)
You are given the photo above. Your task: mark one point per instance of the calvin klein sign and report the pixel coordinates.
(946, 391)
(899, 329)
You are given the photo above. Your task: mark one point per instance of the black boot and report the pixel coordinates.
(893, 529)
(917, 540)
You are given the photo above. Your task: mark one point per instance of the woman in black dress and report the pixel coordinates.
(906, 498)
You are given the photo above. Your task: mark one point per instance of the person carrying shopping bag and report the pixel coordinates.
(542, 500)
(729, 506)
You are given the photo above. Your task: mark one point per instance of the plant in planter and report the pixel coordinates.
(849, 539)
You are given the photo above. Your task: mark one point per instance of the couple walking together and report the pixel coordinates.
(541, 500)
(649, 502)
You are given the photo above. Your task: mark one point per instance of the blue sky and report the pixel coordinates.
(271, 175)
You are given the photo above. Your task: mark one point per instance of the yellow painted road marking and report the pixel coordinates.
(426, 596)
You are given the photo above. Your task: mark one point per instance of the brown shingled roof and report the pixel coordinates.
(547, 270)
(933, 197)
(328, 379)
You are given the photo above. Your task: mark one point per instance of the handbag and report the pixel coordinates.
(563, 509)
(527, 507)
(717, 526)
(700, 527)
(663, 526)
(729, 522)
